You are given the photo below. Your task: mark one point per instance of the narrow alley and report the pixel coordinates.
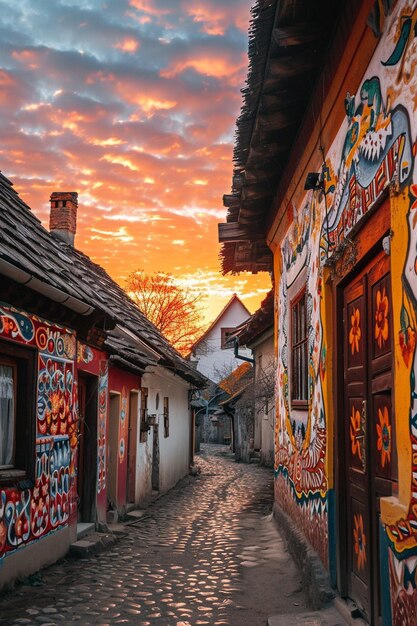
(206, 553)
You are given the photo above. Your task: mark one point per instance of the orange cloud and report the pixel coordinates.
(128, 45)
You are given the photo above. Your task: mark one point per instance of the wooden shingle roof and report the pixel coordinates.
(31, 255)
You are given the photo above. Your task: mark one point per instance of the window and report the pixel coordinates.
(8, 382)
(17, 412)
(299, 351)
(226, 333)
(166, 417)
(144, 414)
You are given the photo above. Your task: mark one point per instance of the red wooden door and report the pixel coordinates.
(369, 448)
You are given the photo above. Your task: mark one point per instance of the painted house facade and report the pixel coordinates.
(73, 349)
(211, 354)
(325, 194)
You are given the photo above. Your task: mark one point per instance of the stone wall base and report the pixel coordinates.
(315, 578)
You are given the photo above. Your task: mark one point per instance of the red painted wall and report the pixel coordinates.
(123, 383)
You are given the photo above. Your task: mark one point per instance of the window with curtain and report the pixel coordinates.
(18, 376)
(7, 414)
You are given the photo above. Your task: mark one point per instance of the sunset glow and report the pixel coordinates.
(132, 104)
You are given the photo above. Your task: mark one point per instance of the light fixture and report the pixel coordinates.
(313, 182)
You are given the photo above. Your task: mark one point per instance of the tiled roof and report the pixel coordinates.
(27, 246)
(259, 322)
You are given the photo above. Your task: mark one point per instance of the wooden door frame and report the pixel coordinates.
(88, 505)
(367, 241)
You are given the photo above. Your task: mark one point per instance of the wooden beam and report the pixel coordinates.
(236, 232)
(231, 200)
(296, 35)
(290, 66)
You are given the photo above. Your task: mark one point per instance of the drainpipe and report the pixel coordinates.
(26, 279)
(239, 356)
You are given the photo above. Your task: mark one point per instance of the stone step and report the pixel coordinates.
(92, 544)
(325, 617)
(84, 529)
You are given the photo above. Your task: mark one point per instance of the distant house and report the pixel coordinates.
(211, 354)
(257, 333)
(239, 406)
(74, 424)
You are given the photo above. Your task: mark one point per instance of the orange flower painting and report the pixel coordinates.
(355, 331)
(381, 318)
(355, 424)
(383, 430)
(359, 542)
(407, 344)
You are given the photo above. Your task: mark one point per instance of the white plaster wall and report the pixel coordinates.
(264, 421)
(212, 361)
(174, 451)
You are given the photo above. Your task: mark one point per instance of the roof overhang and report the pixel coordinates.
(287, 44)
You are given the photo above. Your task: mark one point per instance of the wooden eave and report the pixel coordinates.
(287, 44)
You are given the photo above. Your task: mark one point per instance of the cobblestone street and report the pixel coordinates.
(206, 553)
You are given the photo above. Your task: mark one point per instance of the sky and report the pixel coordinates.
(133, 104)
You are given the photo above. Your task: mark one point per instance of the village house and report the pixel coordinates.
(238, 404)
(75, 426)
(212, 354)
(257, 333)
(324, 194)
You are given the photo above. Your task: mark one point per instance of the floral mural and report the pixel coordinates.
(371, 157)
(30, 513)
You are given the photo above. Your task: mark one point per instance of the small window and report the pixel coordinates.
(225, 343)
(166, 417)
(17, 412)
(299, 351)
(144, 414)
(8, 389)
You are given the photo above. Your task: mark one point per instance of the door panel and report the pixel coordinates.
(369, 434)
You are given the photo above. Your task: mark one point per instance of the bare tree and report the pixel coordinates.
(175, 310)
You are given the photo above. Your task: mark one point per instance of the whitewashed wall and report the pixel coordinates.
(212, 361)
(174, 451)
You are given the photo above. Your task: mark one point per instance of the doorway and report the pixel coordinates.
(367, 442)
(87, 447)
(155, 458)
(114, 417)
(131, 446)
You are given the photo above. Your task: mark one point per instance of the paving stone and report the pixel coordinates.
(179, 562)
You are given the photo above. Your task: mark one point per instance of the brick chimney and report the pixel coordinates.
(63, 216)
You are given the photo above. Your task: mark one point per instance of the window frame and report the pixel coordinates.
(24, 359)
(13, 364)
(144, 395)
(166, 416)
(295, 378)
(225, 331)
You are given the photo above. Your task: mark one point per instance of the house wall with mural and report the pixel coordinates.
(42, 503)
(368, 160)
(94, 362)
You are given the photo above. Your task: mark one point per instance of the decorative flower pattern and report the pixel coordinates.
(407, 337)
(381, 318)
(355, 330)
(359, 542)
(355, 424)
(384, 435)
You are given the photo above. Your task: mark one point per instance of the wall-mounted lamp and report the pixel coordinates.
(313, 182)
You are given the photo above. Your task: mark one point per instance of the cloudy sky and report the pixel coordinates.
(132, 103)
